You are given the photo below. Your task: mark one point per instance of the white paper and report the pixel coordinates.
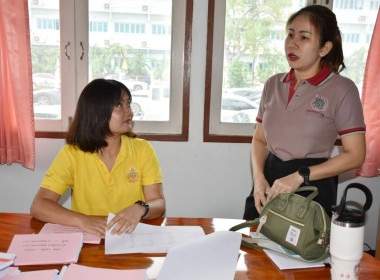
(150, 239)
(283, 262)
(8, 271)
(213, 256)
(6, 260)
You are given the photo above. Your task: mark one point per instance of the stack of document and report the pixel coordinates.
(190, 253)
(40, 249)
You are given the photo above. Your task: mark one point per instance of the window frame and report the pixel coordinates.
(181, 47)
(213, 129)
(213, 85)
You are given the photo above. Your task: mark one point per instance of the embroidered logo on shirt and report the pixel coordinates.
(319, 103)
(133, 175)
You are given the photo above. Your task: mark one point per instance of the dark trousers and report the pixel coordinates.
(275, 168)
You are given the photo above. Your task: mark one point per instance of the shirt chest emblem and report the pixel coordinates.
(319, 104)
(133, 175)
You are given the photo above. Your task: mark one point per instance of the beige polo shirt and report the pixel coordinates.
(309, 124)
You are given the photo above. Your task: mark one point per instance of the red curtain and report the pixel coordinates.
(17, 143)
(370, 101)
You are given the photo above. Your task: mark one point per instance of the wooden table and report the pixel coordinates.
(252, 264)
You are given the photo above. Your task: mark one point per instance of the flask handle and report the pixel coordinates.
(361, 187)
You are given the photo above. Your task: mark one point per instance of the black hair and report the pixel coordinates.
(324, 21)
(90, 125)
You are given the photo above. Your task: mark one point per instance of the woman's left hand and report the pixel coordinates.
(285, 184)
(126, 220)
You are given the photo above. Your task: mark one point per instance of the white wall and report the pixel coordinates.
(200, 179)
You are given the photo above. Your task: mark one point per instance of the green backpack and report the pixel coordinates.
(294, 222)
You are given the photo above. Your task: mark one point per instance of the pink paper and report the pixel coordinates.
(56, 228)
(33, 275)
(37, 249)
(80, 272)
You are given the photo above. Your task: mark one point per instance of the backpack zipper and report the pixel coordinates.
(322, 239)
(264, 218)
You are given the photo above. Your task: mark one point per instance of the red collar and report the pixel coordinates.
(316, 80)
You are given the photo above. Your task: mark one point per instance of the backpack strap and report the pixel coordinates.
(255, 222)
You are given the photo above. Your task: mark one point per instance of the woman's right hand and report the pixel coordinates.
(259, 154)
(93, 225)
(259, 190)
(45, 207)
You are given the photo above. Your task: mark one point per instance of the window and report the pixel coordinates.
(129, 27)
(350, 37)
(252, 34)
(348, 4)
(74, 42)
(45, 28)
(98, 26)
(374, 5)
(52, 24)
(161, 29)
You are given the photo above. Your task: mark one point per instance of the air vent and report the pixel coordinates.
(35, 2)
(106, 6)
(106, 42)
(145, 8)
(144, 44)
(36, 39)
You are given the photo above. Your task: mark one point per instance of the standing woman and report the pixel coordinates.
(301, 114)
(107, 168)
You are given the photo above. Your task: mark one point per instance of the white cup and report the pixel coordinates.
(347, 236)
(346, 249)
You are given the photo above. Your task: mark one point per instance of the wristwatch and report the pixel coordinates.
(304, 171)
(145, 205)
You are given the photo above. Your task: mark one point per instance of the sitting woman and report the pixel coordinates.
(106, 166)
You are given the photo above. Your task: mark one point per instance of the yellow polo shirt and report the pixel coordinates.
(95, 190)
